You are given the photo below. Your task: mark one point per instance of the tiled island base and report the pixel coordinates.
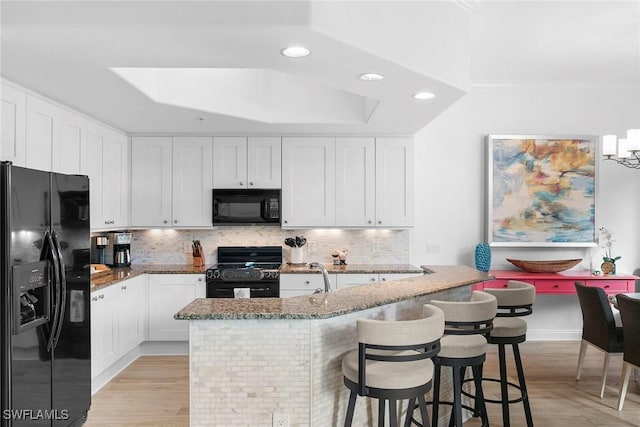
(243, 371)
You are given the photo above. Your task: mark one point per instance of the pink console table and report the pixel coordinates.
(562, 283)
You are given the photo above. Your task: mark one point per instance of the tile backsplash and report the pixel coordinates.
(364, 246)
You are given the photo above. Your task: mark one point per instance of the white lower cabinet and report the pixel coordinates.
(293, 285)
(132, 314)
(118, 321)
(104, 329)
(388, 277)
(168, 294)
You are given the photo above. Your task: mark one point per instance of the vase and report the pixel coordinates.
(608, 268)
(483, 257)
(296, 256)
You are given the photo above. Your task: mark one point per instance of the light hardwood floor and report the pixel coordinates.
(154, 391)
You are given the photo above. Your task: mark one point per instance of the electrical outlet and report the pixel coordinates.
(280, 420)
(311, 247)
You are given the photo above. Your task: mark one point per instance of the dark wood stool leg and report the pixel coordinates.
(410, 408)
(381, 405)
(393, 413)
(423, 410)
(480, 405)
(436, 394)
(523, 385)
(352, 404)
(503, 385)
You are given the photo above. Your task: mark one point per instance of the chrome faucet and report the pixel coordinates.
(325, 275)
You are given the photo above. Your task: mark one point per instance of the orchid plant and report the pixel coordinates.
(608, 239)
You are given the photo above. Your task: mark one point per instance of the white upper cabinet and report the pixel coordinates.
(70, 150)
(192, 177)
(43, 133)
(308, 182)
(13, 126)
(394, 182)
(171, 181)
(108, 162)
(151, 181)
(230, 162)
(240, 162)
(355, 182)
(264, 162)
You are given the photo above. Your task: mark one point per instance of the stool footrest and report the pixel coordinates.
(523, 395)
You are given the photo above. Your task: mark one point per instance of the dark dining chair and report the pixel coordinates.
(630, 315)
(598, 328)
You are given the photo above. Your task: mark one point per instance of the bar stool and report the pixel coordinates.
(463, 345)
(514, 301)
(393, 362)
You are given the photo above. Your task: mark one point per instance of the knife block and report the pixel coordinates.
(198, 261)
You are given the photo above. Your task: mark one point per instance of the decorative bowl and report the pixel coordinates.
(552, 266)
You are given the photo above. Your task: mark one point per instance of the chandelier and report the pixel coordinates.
(625, 151)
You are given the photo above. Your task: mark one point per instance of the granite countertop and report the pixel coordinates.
(352, 268)
(335, 303)
(119, 274)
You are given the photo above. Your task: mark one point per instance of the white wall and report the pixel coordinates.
(450, 173)
(450, 182)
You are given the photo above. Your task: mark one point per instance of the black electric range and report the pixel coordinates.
(256, 268)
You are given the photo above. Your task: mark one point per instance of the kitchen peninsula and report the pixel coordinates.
(252, 358)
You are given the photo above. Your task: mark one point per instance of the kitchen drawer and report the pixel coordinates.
(301, 282)
(494, 284)
(348, 280)
(611, 286)
(555, 287)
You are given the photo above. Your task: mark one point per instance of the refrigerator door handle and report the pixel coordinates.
(63, 290)
(56, 282)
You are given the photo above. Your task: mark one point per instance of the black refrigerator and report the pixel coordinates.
(45, 291)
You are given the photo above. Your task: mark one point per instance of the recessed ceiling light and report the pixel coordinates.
(423, 95)
(295, 51)
(371, 77)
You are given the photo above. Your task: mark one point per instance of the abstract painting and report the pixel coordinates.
(541, 190)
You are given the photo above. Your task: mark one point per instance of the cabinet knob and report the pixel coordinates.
(556, 286)
(369, 221)
(307, 282)
(241, 183)
(384, 279)
(286, 222)
(124, 287)
(250, 183)
(373, 279)
(94, 299)
(199, 279)
(379, 222)
(175, 221)
(165, 221)
(101, 296)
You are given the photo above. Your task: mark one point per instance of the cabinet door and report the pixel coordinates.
(13, 110)
(104, 329)
(70, 153)
(192, 180)
(131, 313)
(43, 132)
(264, 160)
(348, 280)
(355, 182)
(230, 162)
(109, 172)
(394, 182)
(308, 182)
(151, 181)
(168, 294)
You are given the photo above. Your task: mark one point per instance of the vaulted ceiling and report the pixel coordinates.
(216, 66)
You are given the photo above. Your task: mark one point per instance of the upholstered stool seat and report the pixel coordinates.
(509, 327)
(459, 346)
(393, 362)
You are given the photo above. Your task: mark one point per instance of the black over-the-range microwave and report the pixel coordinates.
(246, 207)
